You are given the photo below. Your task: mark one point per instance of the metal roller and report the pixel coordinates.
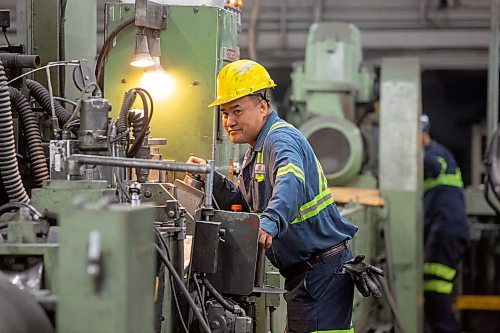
(19, 311)
(338, 145)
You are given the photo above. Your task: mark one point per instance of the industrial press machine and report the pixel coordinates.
(121, 261)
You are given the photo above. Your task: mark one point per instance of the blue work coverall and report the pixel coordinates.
(446, 235)
(283, 182)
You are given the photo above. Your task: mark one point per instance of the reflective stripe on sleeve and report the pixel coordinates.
(314, 207)
(291, 168)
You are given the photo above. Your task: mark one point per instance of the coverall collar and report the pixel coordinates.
(271, 119)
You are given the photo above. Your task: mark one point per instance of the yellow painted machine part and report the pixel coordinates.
(478, 302)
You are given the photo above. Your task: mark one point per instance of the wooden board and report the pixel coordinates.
(365, 196)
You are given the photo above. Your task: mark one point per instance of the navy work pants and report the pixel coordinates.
(321, 299)
(443, 252)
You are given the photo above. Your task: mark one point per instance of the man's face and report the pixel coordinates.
(244, 118)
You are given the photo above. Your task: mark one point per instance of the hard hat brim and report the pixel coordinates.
(220, 101)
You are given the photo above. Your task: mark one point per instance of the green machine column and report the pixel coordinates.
(39, 25)
(80, 38)
(197, 42)
(106, 271)
(401, 172)
(39, 28)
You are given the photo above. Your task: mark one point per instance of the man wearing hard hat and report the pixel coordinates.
(446, 232)
(283, 182)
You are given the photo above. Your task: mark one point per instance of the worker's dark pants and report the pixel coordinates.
(322, 298)
(442, 256)
(439, 313)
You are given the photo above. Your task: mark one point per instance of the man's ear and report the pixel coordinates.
(263, 106)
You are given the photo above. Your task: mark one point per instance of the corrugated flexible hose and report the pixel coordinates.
(39, 168)
(136, 119)
(122, 124)
(131, 118)
(42, 96)
(9, 169)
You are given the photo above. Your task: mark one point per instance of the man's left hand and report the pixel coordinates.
(265, 239)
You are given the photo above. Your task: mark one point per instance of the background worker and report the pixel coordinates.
(283, 182)
(445, 231)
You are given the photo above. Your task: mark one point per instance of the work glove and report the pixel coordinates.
(366, 277)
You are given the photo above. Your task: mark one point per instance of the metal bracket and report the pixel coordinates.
(151, 15)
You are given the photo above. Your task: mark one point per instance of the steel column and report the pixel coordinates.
(493, 70)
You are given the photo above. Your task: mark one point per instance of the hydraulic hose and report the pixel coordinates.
(39, 168)
(99, 67)
(138, 121)
(228, 306)
(128, 101)
(42, 96)
(183, 288)
(9, 169)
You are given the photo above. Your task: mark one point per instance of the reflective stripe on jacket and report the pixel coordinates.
(444, 203)
(440, 168)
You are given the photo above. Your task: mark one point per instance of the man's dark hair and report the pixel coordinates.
(260, 95)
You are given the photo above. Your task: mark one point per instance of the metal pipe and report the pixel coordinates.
(492, 117)
(284, 23)
(253, 30)
(55, 121)
(16, 60)
(207, 201)
(318, 11)
(74, 162)
(260, 268)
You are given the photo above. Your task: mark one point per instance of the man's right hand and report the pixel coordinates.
(265, 239)
(197, 160)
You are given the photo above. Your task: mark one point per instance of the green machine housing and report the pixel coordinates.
(197, 42)
(327, 87)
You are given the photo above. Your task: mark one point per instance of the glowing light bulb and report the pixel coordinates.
(142, 60)
(158, 82)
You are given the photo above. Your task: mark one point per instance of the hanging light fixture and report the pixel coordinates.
(156, 80)
(142, 58)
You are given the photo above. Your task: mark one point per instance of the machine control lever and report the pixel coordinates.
(94, 257)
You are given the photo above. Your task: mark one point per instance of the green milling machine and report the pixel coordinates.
(102, 234)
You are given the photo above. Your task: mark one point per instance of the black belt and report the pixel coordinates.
(306, 265)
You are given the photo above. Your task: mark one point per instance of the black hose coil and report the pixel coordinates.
(122, 124)
(9, 169)
(42, 96)
(139, 121)
(39, 168)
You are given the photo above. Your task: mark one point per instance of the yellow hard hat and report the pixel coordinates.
(241, 78)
